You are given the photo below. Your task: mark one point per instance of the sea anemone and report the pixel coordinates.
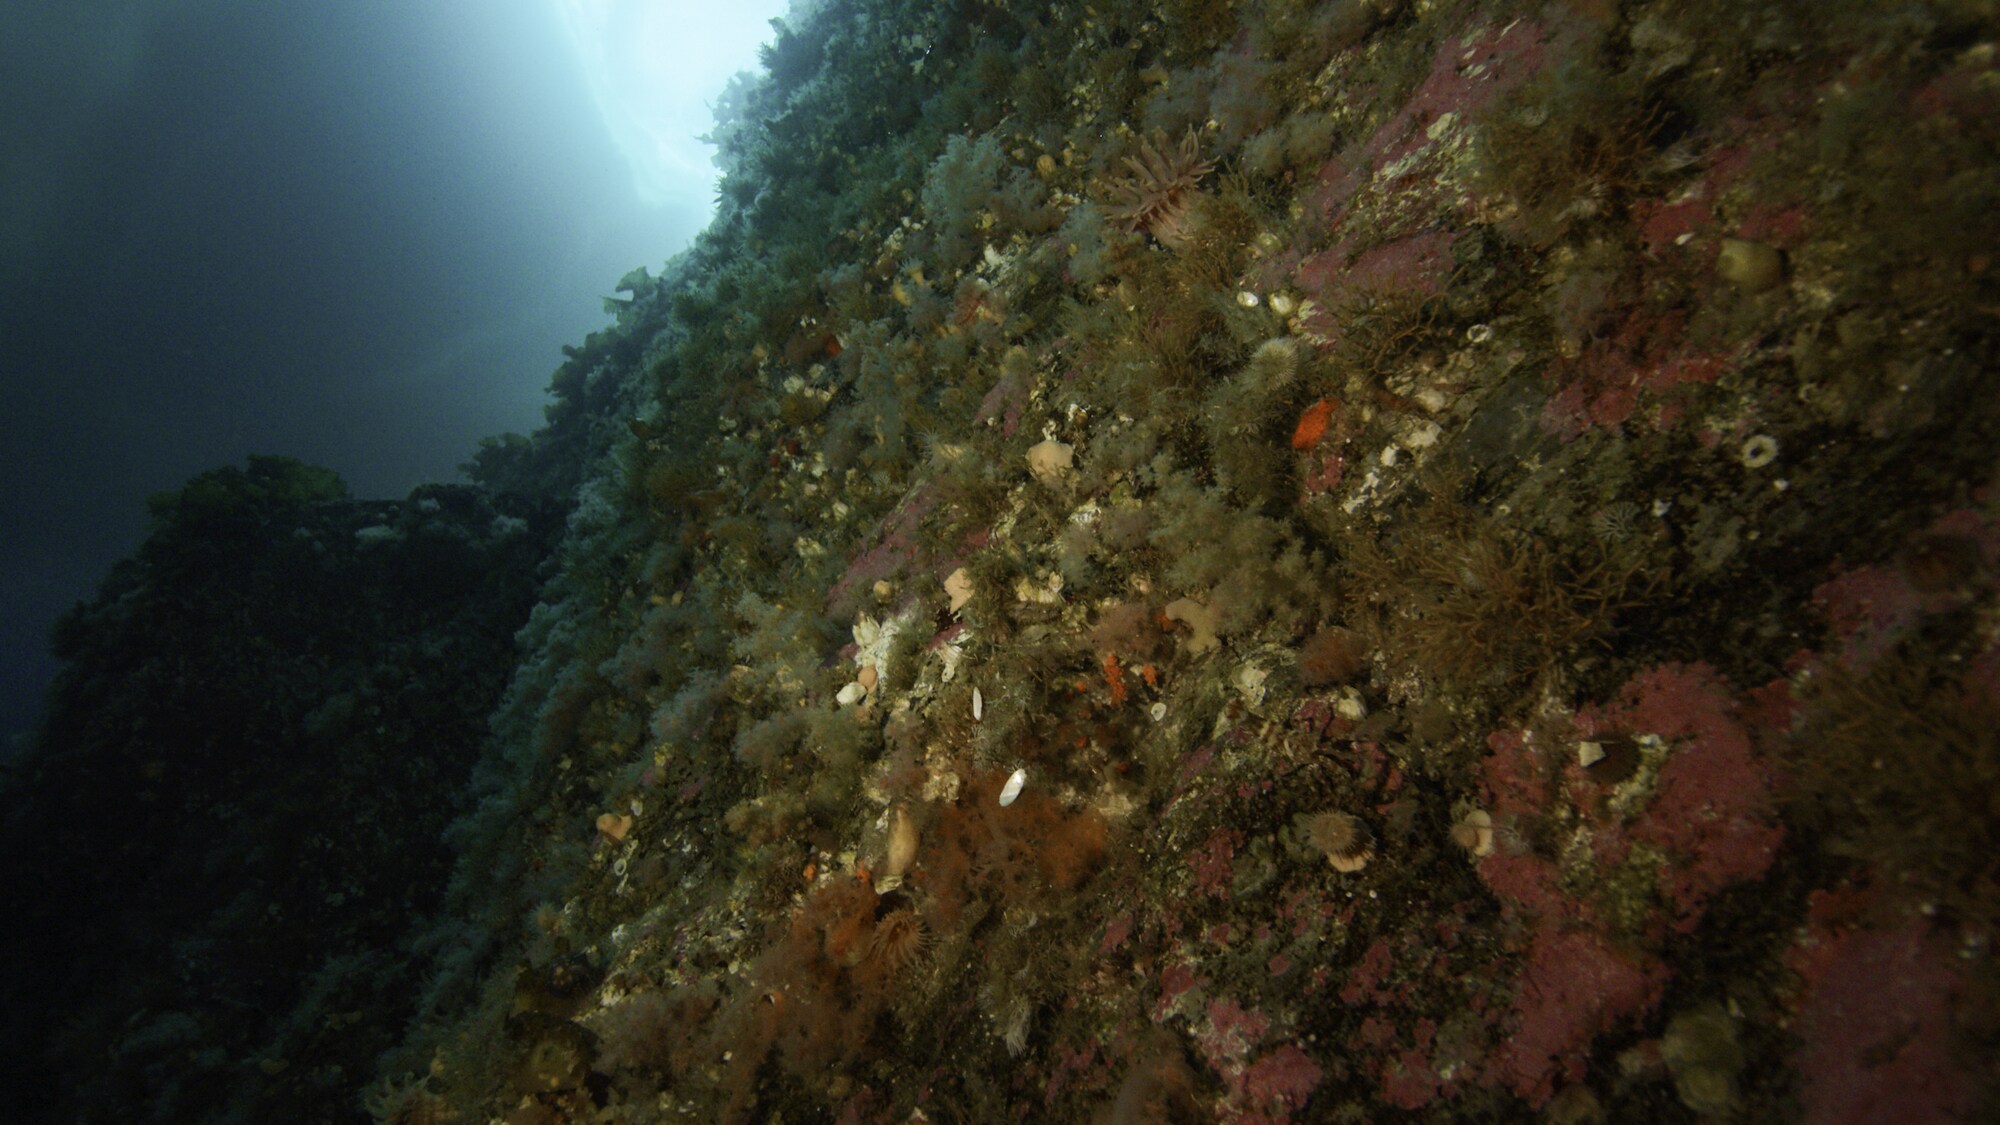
(1158, 197)
(1474, 832)
(899, 937)
(1342, 838)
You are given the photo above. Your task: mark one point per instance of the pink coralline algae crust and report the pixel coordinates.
(1710, 814)
(897, 549)
(1115, 933)
(1712, 802)
(1004, 403)
(1277, 1083)
(1646, 354)
(1690, 228)
(1405, 158)
(1232, 1032)
(1870, 609)
(1710, 820)
(1573, 987)
(1875, 1026)
(1408, 1082)
(1419, 262)
(1177, 979)
(1636, 373)
(1367, 973)
(1518, 789)
(1464, 77)
(1262, 1087)
(1213, 861)
(1324, 470)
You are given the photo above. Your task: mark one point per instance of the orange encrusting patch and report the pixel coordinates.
(1115, 676)
(1312, 424)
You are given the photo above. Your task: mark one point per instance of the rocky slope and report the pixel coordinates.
(1266, 562)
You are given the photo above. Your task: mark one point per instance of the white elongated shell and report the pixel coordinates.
(978, 705)
(1012, 789)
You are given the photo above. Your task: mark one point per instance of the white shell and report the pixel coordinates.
(851, 694)
(978, 705)
(1012, 789)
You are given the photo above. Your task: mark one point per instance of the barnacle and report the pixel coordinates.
(1157, 198)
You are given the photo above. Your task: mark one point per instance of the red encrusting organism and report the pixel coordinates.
(1312, 425)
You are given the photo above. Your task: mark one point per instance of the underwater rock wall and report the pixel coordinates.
(1277, 561)
(1265, 561)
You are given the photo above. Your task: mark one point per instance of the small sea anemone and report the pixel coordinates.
(1474, 832)
(899, 937)
(1342, 838)
(1157, 198)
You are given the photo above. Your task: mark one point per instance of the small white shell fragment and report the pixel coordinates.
(1422, 435)
(1012, 789)
(1248, 299)
(1589, 753)
(1158, 711)
(851, 694)
(978, 705)
(1249, 680)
